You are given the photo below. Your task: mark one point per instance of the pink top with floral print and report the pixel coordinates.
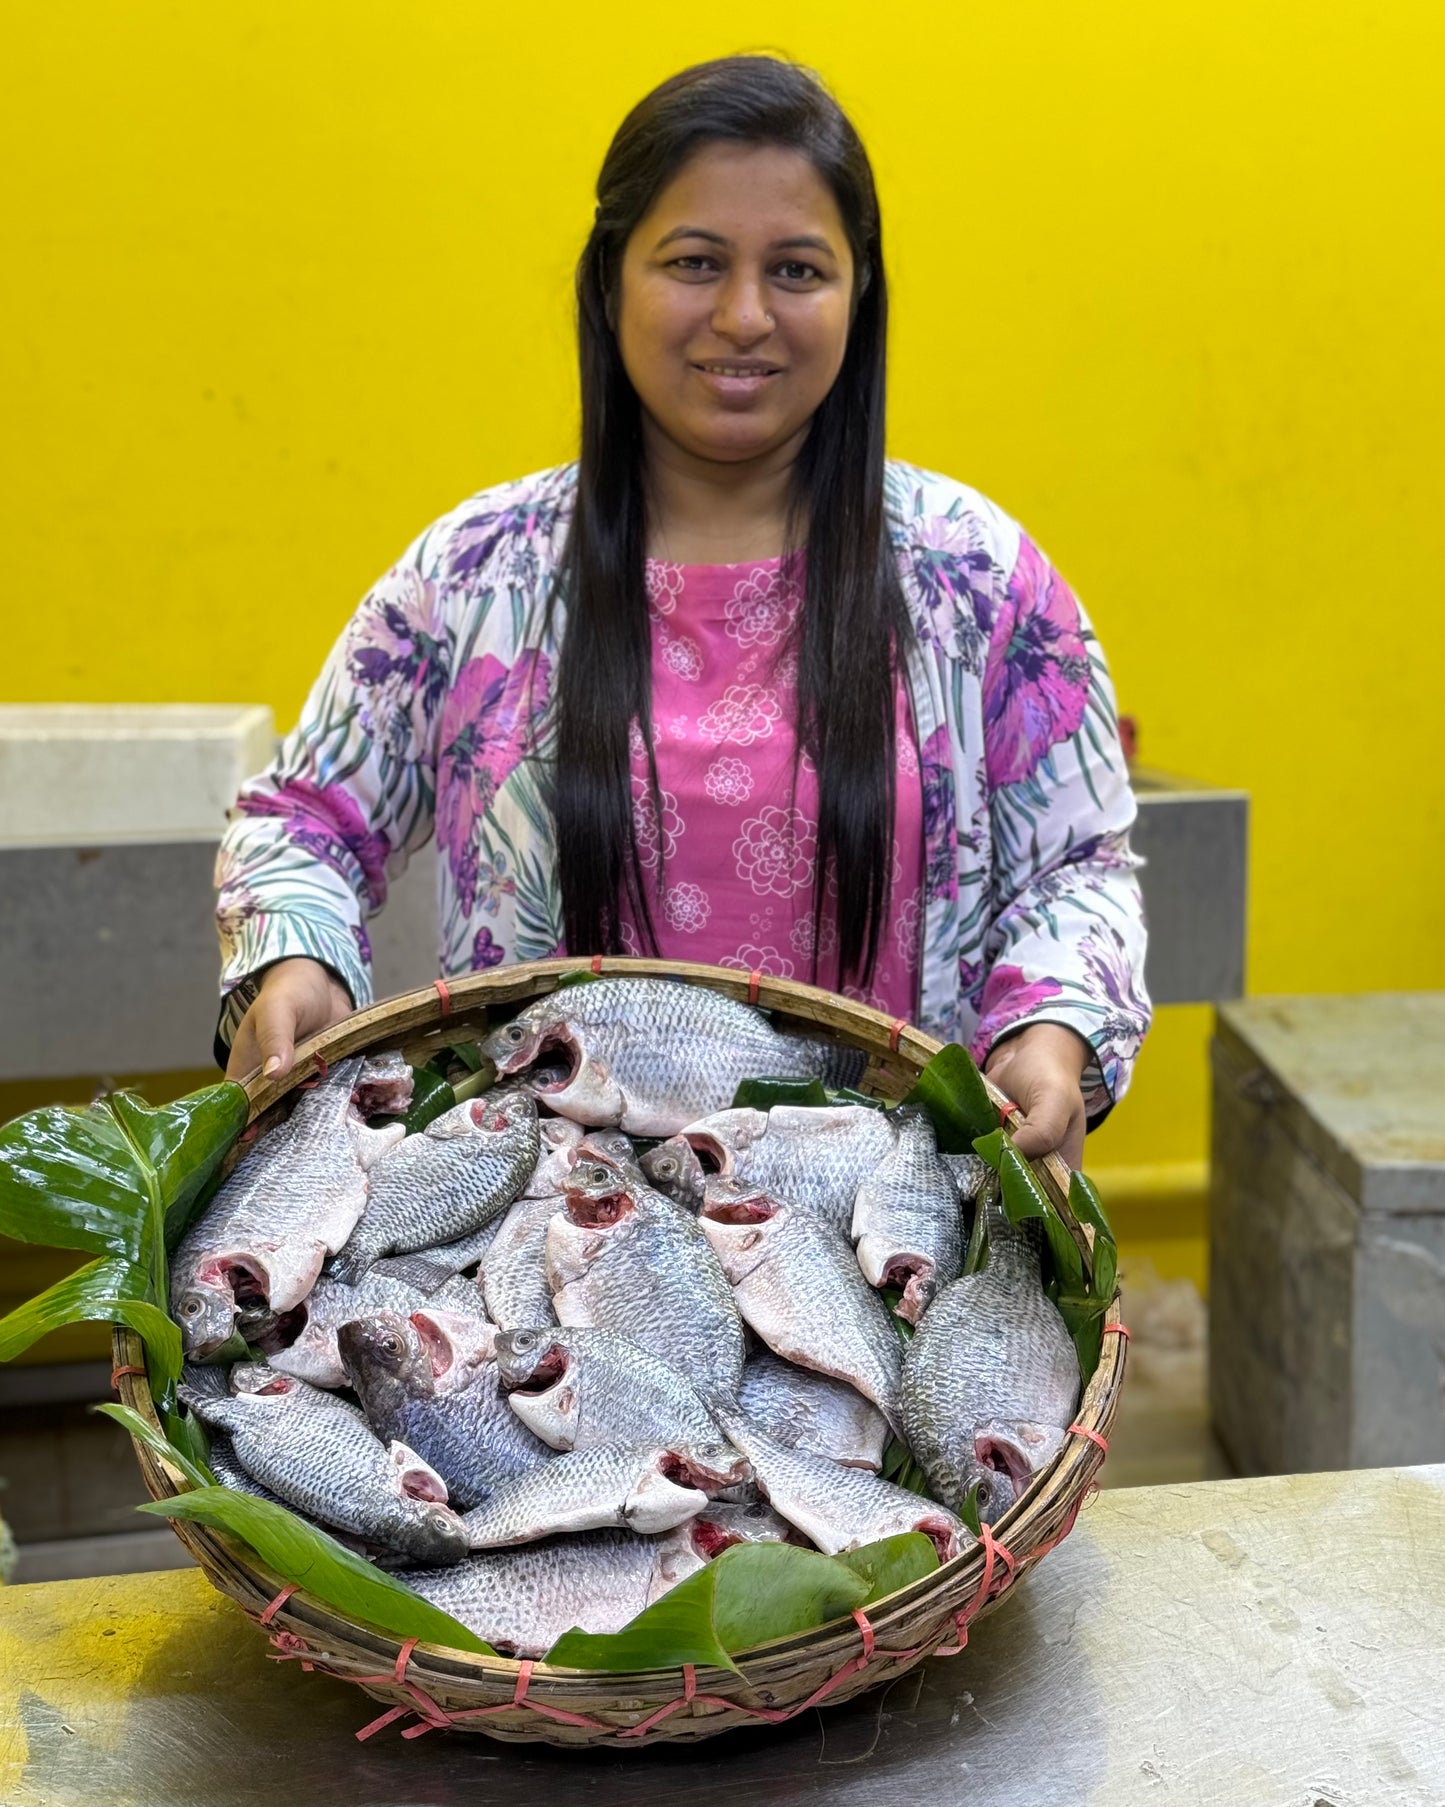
(735, 849)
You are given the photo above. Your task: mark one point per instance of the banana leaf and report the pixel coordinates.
(431, 1098)
(951, 1089)
(891, 1563)
(762, 1093)
(1087, 1207)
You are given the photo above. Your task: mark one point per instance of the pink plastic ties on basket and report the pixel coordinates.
(597, 965)
(1118, 1330)
(896, 1028)
(1006, 1110)
(755, 979)
(117, 1373)
(443, 991)
(269, 1613)
(438, 1719)
(1082, 1430)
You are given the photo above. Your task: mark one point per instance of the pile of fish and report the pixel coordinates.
(545, 1372)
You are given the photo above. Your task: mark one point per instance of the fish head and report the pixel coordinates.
(536, 1367)
(384, 1087)
(884, 1264)
(612, 1148)
(1009, 1454)
(946, 1533)
(260, 1380)
(384, 1357)
(711, 1468)
(675, 1169)
(518, 1044)
(434, 1533)
(596, 1194)
(558, 1137)
(677, 1557)
(455, 1346)
(737, 1218)
(206, 1313)
(720, 1525)
(723, 1141)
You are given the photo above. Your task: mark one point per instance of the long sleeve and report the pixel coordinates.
(1066, 939)
(313, 840)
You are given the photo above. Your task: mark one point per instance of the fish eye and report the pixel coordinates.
(524, 1339)
(667, 1166)
(191, 1307)
(514, 1032)
(391, 1345)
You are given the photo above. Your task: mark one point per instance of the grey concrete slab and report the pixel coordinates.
(1194, 840)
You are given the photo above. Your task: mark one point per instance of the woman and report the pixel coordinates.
(733, 687)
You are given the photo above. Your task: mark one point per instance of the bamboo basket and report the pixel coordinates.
(515, 1700)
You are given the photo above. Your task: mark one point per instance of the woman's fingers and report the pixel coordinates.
(1040, 1068)
(297, 998)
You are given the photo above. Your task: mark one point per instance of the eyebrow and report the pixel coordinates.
(803, 242)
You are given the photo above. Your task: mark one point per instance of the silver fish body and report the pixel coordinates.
(650, 1055)
(907, 1226)
(578, 1387)
(292, 1200)
(647, 1488)
(810, 1411)
(813, 1159)
(323, 1460)
(452, 1179)
(837, 1508)
(799, 1287)
(991, 1380)
(623, 1257)
(514, 1273)
(522, 1600)
(722, 1523)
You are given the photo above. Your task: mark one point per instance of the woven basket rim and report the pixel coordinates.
(435, 1013)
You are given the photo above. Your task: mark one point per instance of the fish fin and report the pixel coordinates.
(371, 1144)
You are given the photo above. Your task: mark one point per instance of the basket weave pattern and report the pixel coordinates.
(526, 1701)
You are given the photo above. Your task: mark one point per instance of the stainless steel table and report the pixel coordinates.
(1265, 1643)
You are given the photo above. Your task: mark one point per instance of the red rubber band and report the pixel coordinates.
(1082, 1430)
(867, 1630)
(249, 1133)
(1006, 1110)
(1118, 1330)
(403, 1657)
(439, 986)
(116, 1373)
(899, 1025)
(322, 1070)
(755, 978)
(276, 1605)
(597, 965)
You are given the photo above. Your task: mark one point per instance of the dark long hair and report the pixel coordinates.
(853, 620)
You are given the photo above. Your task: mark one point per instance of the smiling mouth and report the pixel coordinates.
(738, 370)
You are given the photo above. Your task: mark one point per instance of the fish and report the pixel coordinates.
(579, 1387)
(810, 1411)
(429, 1381)
(799, 1288)
(673, 1167)
(522, 1600)
(386, 1085)
(558, 1140)
(836, 1508)
(651, 1055)
(649, 1488)
(453, 1178)
(813, 1158)
(991, 1380)
(722, 1524)
(623, 1257)
(970, 1173)
(312, 1354)
(289, 1202)
(907, 1227)
(514, 1278)
(321, 1458)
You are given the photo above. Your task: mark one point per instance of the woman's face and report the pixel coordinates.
(735, 301)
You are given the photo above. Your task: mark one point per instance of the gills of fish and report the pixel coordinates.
(385, 1086)
(651, 1055)
(312, 1353)
(577, 1388)
(322, 1459)
(815, 1159)
(907, 1226)
(463, 1170)
(813, 1412)
(991, 1380)
(648, 1488)
(429, 1381)
(289, 1202)
(522, 1600)
(623, 1257)
(836, 1508)
(514, 1277)
(721, 1524)
(798, 1286)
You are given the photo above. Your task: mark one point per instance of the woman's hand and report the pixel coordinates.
(1040, 1069)
(297, 998)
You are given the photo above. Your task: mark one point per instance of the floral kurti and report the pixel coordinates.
(430, 717)
(729, 861)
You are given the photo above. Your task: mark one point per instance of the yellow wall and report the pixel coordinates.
(285, 281)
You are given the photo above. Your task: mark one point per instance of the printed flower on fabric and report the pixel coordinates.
(1007, 999)
(751, 959)
(728, 782)
(326, 822)
(775, 852)
(664, 586)
(686, 907)
(399, 657)
(801, 937)
(507, 534)
(485, 731)
(486, 952)
(762, 608)
(906, 926)
(957, 580)
(743, 714)
(683, 657)
(940, 850)
(655, 839)
(1036, 682)
(363, 942)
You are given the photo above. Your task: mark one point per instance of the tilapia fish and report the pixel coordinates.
(429, 1382)
(991, 1380)
(312, 1353)
(514, 1277)
(837, 1508)
(651, 1055)
(798, 1286)
(815, 1159)
(810, 1411)
(721, 1524)
(290, 1202)
(386, 1086)
(322, 1459)
(577, 1388)
(623, 1257)
(463, 1170)
(647, 1488)
(521, 1601)
(906, 1220)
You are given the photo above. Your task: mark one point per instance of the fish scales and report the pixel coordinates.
(907, 1225)
(578, 1387)
(514, 1279)
(814, 1412)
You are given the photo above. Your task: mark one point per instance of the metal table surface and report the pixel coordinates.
(1271, 1643)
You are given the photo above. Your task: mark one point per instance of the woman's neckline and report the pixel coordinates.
(735, 564)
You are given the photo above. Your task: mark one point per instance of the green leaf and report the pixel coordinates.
(763, 1093)
(582, 976)
(157, 1444)
(1083, 1317)
(301, 1553)
(1023, 1196)
(968, 1510)
(431, 1097)
(892, 1563)
(469, 1054)
(178, 1147)
(951, 1089)
(112, 1291)
(1087, 1208)
(752, 1593)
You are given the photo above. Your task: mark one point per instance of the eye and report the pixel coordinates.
(793, 271)
(694, 265)
(191, 1307)
(524, 1339)
(391, 1345)
(666, 1167)
(514, 1033)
